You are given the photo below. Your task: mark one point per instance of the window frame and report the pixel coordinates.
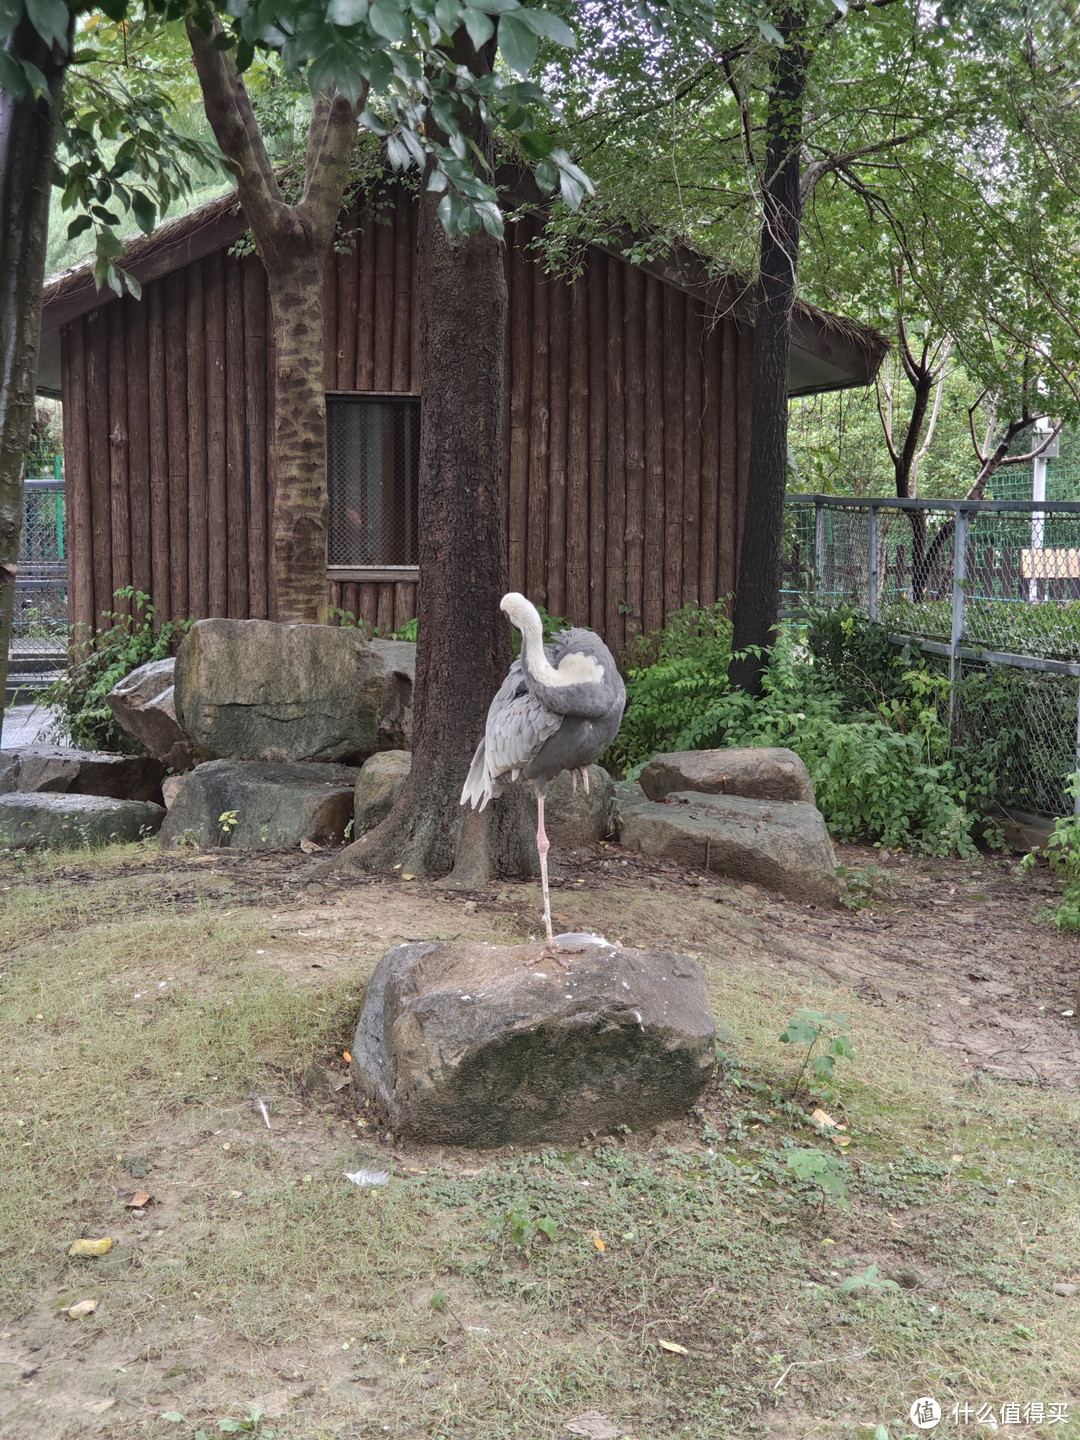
(371, 574)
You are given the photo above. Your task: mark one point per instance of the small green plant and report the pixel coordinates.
(861, 885)
(523, 1230)
(827, 1172)
(867, 1281)
(814, 1028)
(105, 656)
(228, 821)
(252, 1424)
(1063, 855)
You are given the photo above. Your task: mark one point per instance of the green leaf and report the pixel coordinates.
(370, 121)
(548, 1227)
(36, 80)
(337, 65)
(12, 78)
(770, 33)
(518, 44)
(551, 27)
(109, 244)
(479, 26)
(10, 15)
(173, 1416)
(50, 18)
(389, 19)
(347, 12)
(115, 280)
(144, 210)
(78, 225)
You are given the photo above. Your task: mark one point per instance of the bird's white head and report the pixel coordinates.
(519, 611)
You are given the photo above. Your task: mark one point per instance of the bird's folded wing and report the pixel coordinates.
(516, 733)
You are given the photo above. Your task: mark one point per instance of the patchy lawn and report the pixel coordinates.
(153, 1007)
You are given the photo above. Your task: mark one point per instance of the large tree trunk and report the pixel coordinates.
(27, 146)
(297, 479)
(757, 599)
(463, 646)
(293, 242)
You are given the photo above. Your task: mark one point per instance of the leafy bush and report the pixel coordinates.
(105, 656)
(1063, 855)
(870, 724)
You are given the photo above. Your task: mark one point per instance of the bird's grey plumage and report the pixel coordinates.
(536, 730)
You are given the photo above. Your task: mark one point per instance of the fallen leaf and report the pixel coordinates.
(80, 1309)
(97, 1407)
(340, 1083)
(368, 1177)
(840, 1140)
(346, 1057)
(593, 1425)
(675, 1349)
(824, 1121)
(406, 876)
(91, 1247)
(139, 1200)
(594, 1236)
(956, 1159)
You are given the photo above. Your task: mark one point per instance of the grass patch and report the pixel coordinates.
(687, 1284)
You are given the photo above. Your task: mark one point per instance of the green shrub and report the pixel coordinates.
(106, 655)
(870, 726)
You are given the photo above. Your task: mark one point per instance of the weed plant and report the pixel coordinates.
(104, 657)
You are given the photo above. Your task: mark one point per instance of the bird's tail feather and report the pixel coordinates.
(479, 787)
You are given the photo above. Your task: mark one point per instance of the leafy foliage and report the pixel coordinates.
(106, 655)
(1063, 855)
(814, 1028)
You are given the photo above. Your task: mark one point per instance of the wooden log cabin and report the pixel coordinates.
(626, 427)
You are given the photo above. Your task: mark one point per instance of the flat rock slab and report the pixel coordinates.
(755, 772)
(258, 805)
(465, 1044)
(782, 845)
(255, 690)
(65, 822)
(54, 768)
(144, 703)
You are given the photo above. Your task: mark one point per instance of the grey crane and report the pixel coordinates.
(559, 708)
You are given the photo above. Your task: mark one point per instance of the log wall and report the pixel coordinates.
(625, 450)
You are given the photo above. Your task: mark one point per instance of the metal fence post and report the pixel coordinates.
(819, 547)
(960, 537)
(872, 577)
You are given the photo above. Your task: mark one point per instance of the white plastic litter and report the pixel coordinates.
(368, 1177)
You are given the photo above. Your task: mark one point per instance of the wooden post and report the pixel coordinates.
(158, 362)
(536, 549)
(577, 460)
(216, 508)
(559, 370)
(236, 398)
(596, 284)
(256, 370)
(673, 318)
(653, 614)
(177, 362)
(137, 369)
(119, 480)
(618, 314)
(80, 525)
(633, 530)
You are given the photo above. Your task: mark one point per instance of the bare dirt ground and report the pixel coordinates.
(962, 948)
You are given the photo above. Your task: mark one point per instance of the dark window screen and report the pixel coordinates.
(372, 449)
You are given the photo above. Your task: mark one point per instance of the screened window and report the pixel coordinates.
(372, 455)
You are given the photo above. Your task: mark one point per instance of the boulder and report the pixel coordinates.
(65, 822)
(53, 768)
(757, 773)
(144, 703)
(485, 1045)
(573, 818)
(254, 690)
(377, 787)
(258, 805)
(782, 845)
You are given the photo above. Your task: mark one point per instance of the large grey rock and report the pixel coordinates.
(52, 768)
(464, 1044)
(758, 773)
(268, 805)
(378, 786)
(573, 818)
(782, 845)
(144, 703)
(64, 822)
(253, 690)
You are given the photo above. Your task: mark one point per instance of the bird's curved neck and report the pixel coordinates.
(533, 657)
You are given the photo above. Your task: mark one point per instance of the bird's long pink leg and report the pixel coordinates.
(543, 846)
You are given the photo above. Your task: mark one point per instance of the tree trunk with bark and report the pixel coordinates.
(27, 147)
(757, 599)
(463, 646)
(293, 242)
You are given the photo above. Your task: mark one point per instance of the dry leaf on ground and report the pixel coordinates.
(138, 1201)
(672, 1347)
(593, 1425)
(80, 1309)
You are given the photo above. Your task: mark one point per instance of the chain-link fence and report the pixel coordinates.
(989, 588)
(39, 620)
